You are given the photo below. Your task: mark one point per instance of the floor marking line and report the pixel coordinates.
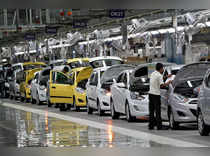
(120, 130)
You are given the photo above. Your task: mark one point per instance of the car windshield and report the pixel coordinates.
(173, 72)
(78, 64)
(18, 67)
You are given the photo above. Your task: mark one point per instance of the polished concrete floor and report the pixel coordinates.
(27, 125)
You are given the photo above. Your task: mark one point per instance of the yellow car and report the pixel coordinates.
(24, 78)
(78, 62)
(68, 89)
(59, 89)
(80, 78)
(28, 65)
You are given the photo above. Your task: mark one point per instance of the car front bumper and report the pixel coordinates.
(184, 112)
(139, 108)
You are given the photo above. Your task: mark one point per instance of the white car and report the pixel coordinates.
(39, 86)
(105, 61)
(101, 93)
(97, 98)
(129, 94)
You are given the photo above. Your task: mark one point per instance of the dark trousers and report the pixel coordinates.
(155, 111)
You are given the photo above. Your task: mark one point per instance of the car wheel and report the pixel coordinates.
(74, 105)
(172, 123)
(89, 109)
(11, 96)
(129, 117)
(100, 112)
(114, 114)
(62, 107)
(38, 102)
(32, 100)
(202, 127)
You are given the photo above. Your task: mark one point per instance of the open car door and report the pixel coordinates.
(60, 86)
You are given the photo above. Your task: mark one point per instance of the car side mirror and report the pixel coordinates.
(121, 85)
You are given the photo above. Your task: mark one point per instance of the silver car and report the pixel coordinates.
(181, 100)
(39, 86)
(203, 109)
(129, 94)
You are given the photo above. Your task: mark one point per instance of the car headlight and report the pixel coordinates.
(106, 92)
(80, 90)
(181, 98)
(136, 96)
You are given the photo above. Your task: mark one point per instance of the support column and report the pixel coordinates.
(5, 17)
(26, 10)
(40, 16)
(30, 16)
(47, 16)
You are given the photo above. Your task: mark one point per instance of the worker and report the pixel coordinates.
(156, 83)
(65, 70)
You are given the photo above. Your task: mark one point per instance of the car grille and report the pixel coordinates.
(193, 102)
(194, 112)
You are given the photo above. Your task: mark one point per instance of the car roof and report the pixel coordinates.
(77, 59)
(104, 58)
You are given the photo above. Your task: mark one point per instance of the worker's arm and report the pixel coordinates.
(162, 84)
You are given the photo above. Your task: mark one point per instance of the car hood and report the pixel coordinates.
(113, 72)
(84, 74)
(139, 79)
(190, 72)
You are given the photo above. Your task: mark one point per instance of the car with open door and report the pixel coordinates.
(25, 78)
(203, 109)
(182, 99)
(80, 78)
(129, 94)
(59, 89)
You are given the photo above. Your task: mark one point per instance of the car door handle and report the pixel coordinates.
(54, 87)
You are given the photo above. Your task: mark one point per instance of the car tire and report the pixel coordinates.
(11, 96)
(62, 107)
(203, 129)
(89, 109)
(32, 100)
(172, 123)
(76, 108)
(129, 117)
(38, 102)
(100, 112)
(114, 114)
